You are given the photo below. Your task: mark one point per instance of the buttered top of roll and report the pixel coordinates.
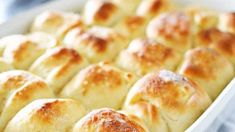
(179, 100)
(48, 115)
(222, 42)
(17, 89)
(99, 78)
(151, 8)
(56, 23)
(57, 66)
(97, 44)
(147, 55)
(227, 22)
(101, 12)
(107, 120)
(20, 51)
(208, 68)
(173, 29)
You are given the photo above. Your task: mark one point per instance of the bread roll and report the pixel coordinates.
(47, 115)
(56, 23)
(132, 26)
(151, 8)
(97, 44)
(202, 18)
(99, 85)
(128, 6)
(166, 101)
(17, 89)
(147, 55)
(227, 22)
(173, 29)
(20, 51)
(57, 66)
(107, 120)
(4, 65)
(45, 40)
(209, 69)
(222, 42)
(101, 12)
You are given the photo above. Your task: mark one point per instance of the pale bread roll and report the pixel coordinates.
(147, 55)
(56, 23)
(4, 65)
(166, 101)
(209, 69)
(20, 51)
(107, 120)
(17, 89)
(101, 12)
(97, 44)
(47, 115)
(99, 85)
(45, 40)
(128, 6)
(173, 29)
(222, 42)
(132, 26)
(57, 66)
(227, 22)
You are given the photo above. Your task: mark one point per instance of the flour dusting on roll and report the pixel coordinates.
(166, 101)
(173, 29)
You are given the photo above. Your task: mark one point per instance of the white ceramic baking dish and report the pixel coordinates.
(20, 23)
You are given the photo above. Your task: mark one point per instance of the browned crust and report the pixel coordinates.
(108, 120)
(105, 11)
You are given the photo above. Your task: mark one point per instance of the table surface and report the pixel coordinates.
(225, 122)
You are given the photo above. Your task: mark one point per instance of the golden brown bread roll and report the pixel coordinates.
(227, 22)
(107, 120)
(47, 115)
(222, 42)
(97, 44)
(151, 8)
(101, 12)
(17, 89)
(56, 23)
(132, 26)
(202, 18)
(57, 66)
(166, 101)
(4, 65)
(147, 55)
(209, 69)
(20, 51)
(173, 29)
(99, 85)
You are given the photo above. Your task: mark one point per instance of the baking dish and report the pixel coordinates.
(20, 23)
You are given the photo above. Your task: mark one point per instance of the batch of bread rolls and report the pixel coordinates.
(117, 66)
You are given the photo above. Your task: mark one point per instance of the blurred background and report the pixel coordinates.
(10, 8)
